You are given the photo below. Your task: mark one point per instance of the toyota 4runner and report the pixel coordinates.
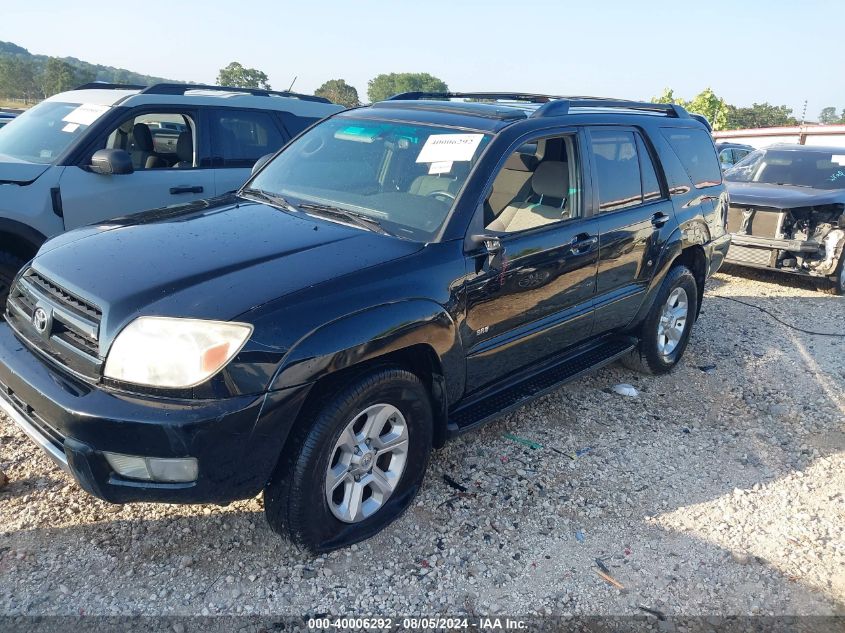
(397, 275)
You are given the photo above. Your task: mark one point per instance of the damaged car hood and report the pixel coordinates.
(781, 196)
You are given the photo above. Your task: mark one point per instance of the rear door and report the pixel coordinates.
(634, 212)
(238, 139)
(159, 179)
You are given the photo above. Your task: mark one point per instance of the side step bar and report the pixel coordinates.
(539, 381)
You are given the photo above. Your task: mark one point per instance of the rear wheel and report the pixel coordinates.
(9, 267)
(666, 329)
(355, 465)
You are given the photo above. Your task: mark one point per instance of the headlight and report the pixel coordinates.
(176, 353)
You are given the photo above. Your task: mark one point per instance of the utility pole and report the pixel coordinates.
(804, 113)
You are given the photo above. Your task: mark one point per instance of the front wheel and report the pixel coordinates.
(837, 285)
(666, 329)
(9, 267)
(356, 463)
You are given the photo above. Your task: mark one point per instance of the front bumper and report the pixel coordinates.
(237, 441)
(717, 251)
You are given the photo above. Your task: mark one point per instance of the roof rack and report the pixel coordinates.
(181, 89)
(492, 96)
(562, 106)
(552, 105)
(104, 85)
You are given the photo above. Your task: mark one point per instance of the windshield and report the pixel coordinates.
(404, 176)
(44, 132)
(814, 168)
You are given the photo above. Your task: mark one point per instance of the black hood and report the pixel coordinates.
(761, 194)
(210, 260)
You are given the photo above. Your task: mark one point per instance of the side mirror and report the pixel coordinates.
(111, 162)
(261, 162)
(492, 246)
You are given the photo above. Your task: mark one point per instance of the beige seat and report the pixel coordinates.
(550, 185)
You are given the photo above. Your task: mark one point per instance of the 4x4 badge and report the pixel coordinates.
(40, 320)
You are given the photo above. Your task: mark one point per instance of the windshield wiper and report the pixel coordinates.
(358, 219)
(271, 198)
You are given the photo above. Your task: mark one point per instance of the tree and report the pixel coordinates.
(829, 115)
(760, 115)
(58, 76)
(239, 77)
(383, 86)
(705, 103)
(17, 79)
(668, 96)
(338, 91)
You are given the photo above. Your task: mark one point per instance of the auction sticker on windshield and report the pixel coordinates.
(86, 114)
(442, 148)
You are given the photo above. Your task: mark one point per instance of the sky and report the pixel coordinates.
(780, 51)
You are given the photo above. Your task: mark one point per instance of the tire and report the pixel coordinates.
(9, 267)
(657, 354)
(836, 286)
(297, 500)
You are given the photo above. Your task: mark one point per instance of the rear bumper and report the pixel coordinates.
(237, 441)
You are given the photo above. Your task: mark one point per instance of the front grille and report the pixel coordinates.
(70, 325)
(751, 255)
(746, 220)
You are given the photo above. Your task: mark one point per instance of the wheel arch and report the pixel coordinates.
(19, 239)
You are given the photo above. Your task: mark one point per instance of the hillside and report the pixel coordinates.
(27, 76)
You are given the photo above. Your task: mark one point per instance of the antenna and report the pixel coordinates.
(295, 77)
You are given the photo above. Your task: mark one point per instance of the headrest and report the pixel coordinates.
(143, 137)
(521, 162)
(185, 147)
(551, 178)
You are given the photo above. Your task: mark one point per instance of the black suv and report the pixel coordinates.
(396, 275)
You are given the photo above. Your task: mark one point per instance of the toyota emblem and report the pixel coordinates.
(40, 320)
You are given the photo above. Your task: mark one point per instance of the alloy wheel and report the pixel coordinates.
(673, 321)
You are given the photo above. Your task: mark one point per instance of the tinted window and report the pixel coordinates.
(295, 124)
(695, 150)
(617, 169)
(242, 137)
(651, 185)
(802, 167)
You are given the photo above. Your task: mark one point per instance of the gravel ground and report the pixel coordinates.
(719, 489)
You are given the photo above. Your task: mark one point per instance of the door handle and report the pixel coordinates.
(195, 189)
(659, 219)
(582, 242)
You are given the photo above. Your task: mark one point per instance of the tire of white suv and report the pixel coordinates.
(665, 331)
(356, 462)
(9, 267)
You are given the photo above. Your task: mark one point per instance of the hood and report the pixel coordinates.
(781, 196)
(207, 260)
(19, 172)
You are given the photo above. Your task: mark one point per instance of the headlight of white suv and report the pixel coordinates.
(175, 353)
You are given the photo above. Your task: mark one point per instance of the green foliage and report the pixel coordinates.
(27, 77)
(760, 115)
(829, 116)
(723, 116)
(705, 103)
(338, 91)
(385, 85)
(240, 77)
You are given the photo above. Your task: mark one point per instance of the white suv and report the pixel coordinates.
(106, 150)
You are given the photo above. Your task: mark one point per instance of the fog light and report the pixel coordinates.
(178, 470)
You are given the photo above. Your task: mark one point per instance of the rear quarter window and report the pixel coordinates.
(694, 148)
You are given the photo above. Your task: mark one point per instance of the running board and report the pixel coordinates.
(493, 403)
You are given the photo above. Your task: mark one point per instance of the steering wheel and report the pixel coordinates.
(442, 194)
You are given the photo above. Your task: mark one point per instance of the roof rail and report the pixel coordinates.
(562, 106)
(104, 85)
(492, 96)
(181, 89)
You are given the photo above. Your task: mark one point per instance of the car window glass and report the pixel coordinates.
(153, 140)
(537, 185)
(694, 148)
(617, 169)
(651, 185)
(241, 137)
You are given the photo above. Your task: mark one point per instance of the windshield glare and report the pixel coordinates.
(405, 176)
(44, 132)
(818, 169)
